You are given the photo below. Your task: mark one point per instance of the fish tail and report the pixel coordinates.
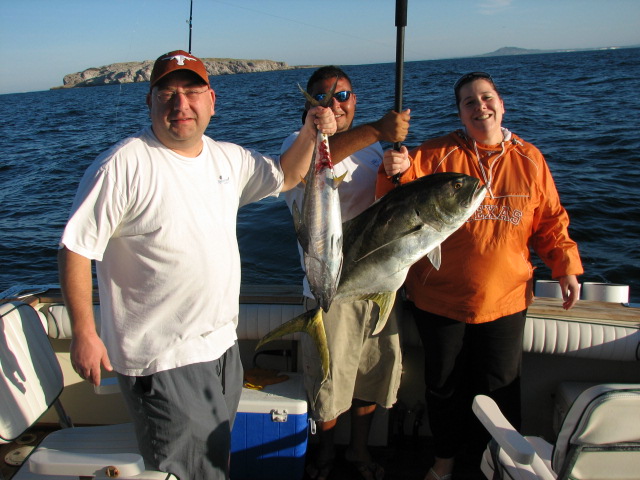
(309, 98)
(324, 103)
(310, 322)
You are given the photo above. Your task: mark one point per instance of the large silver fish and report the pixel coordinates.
(381, 243)
(318, 224)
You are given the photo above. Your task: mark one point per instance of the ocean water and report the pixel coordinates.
(580, 109)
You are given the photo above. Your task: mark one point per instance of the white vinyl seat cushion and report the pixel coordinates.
(31, 383)
(599, 439)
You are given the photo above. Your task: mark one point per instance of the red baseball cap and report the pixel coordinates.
(174, 61)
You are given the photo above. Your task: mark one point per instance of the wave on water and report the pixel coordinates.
(578, 108)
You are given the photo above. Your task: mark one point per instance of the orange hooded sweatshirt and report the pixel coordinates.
(486, 272)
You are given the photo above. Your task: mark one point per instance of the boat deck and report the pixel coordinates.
(405, 458)
(408, 456)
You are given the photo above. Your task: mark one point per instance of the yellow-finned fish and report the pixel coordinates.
(381, 243)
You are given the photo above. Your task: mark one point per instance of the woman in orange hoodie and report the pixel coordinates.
(471, 312)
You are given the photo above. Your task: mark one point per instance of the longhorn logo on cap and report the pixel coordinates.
(180, 59)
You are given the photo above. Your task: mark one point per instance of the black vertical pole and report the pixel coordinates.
(401, 22)
(190, 28)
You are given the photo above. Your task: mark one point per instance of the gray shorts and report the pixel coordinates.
(183, 417)
(362, 366)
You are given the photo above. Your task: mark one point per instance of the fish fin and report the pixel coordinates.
(338, 180)
(295, 212)
(410, 232)
(310, 322)
(435, 256)
(298, 226)
(385, 301)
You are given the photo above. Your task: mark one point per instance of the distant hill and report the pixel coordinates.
(527, 51)
(512, 51)
(131, 72)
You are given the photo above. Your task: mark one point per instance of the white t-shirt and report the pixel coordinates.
(162, 229)
(357, 190)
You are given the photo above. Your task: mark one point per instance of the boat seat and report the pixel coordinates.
(599, 439)
(254, 320)
(598, 341)
(59, 322)
(565, 395)
(31, 383)
(553, 336)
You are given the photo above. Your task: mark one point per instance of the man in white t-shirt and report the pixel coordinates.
(157, 213)
(365, 369)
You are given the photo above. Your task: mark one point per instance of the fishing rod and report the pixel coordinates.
(401, 22)
(190, 27)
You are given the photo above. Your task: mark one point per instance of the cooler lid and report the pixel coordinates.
(288, 395)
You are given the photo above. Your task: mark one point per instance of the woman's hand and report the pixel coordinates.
(570, 290)
(396, 162)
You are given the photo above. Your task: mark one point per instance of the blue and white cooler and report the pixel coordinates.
(269, 437)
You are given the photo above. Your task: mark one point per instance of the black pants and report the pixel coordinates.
(461, 361)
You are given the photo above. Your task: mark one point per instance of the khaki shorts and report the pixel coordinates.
(362, 366)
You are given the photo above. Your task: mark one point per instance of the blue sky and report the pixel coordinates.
(43, 40)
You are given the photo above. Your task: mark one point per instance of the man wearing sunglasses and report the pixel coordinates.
(366, 369)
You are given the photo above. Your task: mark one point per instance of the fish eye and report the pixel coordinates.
(457, 185)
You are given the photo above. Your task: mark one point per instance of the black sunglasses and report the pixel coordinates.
(342, 96)
(468, 77)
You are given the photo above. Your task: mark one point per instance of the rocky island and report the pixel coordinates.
(130, 72)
